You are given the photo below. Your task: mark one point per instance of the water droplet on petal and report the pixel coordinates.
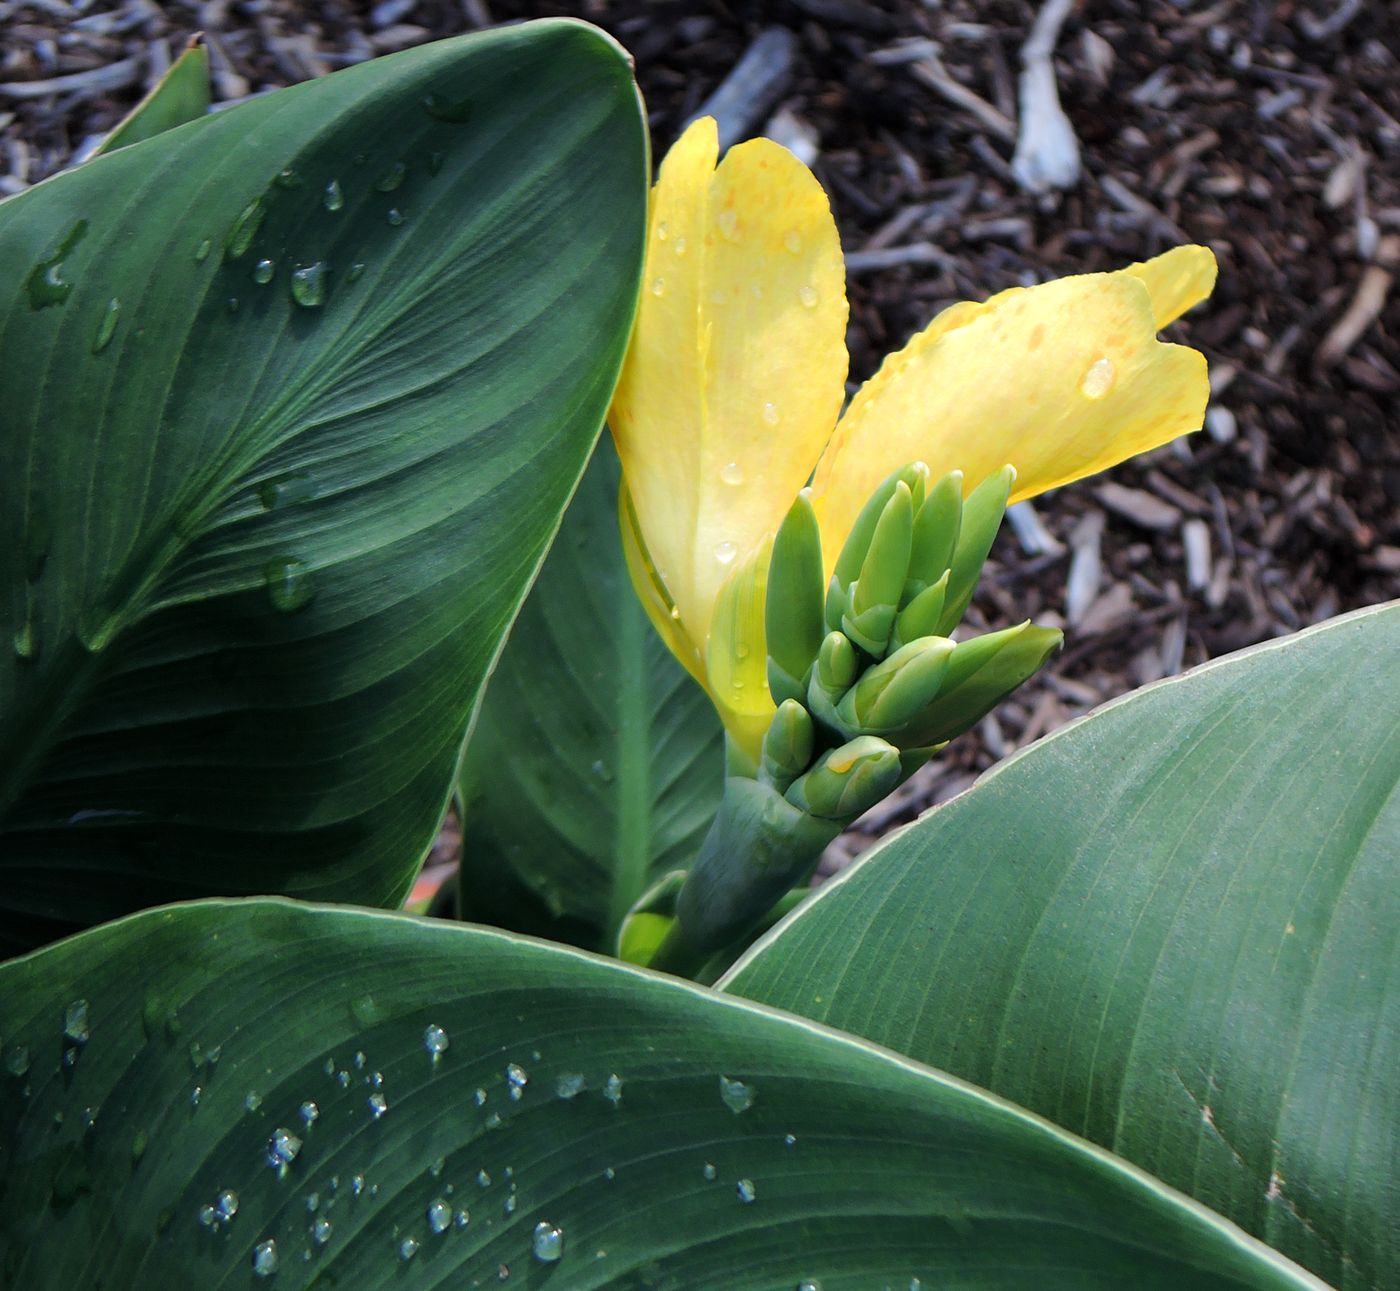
(735, 1095)
(662, 230)
(658, 286)
(679, 246)
(547, 1242)
(808, 296)
(725, 552)
(770, 414)
(408, 1248)
(1098, 380)
(728, 221)
(746, 1191)
(309, 285)
(793, 241)
(262, 272)
(439, 1215)
(106, 326)
(333, 199)
(732, 473)
(290, 585)
(265, 1258)
(570, 1084)
(435, 1040)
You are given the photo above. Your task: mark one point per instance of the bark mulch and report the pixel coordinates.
(1267, 130)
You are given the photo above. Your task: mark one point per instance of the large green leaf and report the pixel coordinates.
(181, 95)
(1173, 928)
(596, 764)
(679, 1139)
(258, 552)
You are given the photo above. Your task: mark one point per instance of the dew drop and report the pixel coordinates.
(201, 252)
(243, 230)
(1098, 380)
(662, 231)
(725, 552)
(746, 1191)
(17, 1059)
(439, 1215)
(26, 641)
(208, 1216)
(357, 1185)
(735, 1095)
(790, 1140)
(435, 1041)
(570, 1084)
(333, 199)
(494, 1121)
(462, 1218)
(508, 1206)
(709, 1171)
(483, 1180)
(516, 1078)
(679, 246)
(547, 1242)
(479, 1098)
(106, 326)
(807, 294)
(265, 1258)
(139, 1142)
(391, 178)
(227, 1204)
(283, 490)
(321, 1230)
(313, 1202)
(808, 1285)
(408, 1248)
(287, 178)
(309, 1112)
(195, 1095)
(793, 241)
(46, 284)
(728, 222)
(612, 1090)
(378, 1105)
(442, 108)
(770, 414)
(395, 216)
(252, 1100)
(290, 585)
(658, 286)
(356, 270)
(732, 473)
(262, 272)
(309, 285)
(282, 1148)
(75, 1022)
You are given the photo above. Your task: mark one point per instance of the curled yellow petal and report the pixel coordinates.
(1060, 380)
(1176, 280)
(737, 364)
(736, 661)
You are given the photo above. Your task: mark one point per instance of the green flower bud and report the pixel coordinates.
(893, 693)
(787, 747)
(981, 673)
(981, 518)
(852, 557)
(793, 610)
(920, 618)
(936, 529)
(836, 664)
(848, 780)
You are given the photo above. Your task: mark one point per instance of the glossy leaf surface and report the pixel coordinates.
(1173, 928)
(359, 1081)
(596, 763)
(295, 396)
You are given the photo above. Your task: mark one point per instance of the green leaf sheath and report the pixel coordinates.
(646, 1132)
(1173, 928)
(596, 763)
(262, 539)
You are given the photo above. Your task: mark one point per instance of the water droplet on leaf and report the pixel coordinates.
(735, 1095)
(282, 1147)
(547, 1242)
(439, 1215)
(746, 1191)
(391, 178)
(435, 1040)
(378, 1105)
(46, 284)
(408, 1248)
(243, 230)
(395, 216)
(309, 285)
(75, 1022)
(265, 1258)
(333, 199)
(570, 1084)
(290, 584)
(106, 326)
(262, 272)
(442, 108)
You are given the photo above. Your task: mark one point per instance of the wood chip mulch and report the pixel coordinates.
(1269, 131)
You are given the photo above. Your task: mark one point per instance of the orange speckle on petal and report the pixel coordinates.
(1036, 337)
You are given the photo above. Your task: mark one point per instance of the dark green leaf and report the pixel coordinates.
(259, 551)
(597, 763)
(630, 1092)
(181, 95)
(1173, 928)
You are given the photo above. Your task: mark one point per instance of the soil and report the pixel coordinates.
(1269, 131)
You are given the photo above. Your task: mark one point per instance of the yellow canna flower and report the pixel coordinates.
(730, 396)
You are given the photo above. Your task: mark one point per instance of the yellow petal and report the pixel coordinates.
(1176, 280)
(664, 615)
(1060, 380)
(737, 365)
(736, 663)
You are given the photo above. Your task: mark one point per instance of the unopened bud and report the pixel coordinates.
(848, 780)
(891, 694)
(793, 609)
(787, 747)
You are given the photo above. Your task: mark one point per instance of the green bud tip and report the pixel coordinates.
(787, 746)
(836, 663)
(793, 611)
(848, 780)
